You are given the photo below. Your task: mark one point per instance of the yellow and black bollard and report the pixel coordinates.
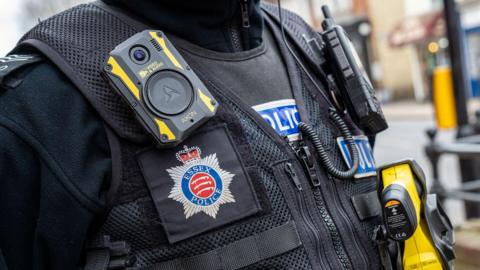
(443, 98)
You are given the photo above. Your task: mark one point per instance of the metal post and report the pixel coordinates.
(461, 86)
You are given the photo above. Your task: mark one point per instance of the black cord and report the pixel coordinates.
(297, 60)
(337, 120)
(322, 153)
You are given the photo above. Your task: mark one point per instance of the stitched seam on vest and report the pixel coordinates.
(89, 203)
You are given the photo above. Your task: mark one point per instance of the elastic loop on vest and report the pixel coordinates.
(367, 205)
(241, 253)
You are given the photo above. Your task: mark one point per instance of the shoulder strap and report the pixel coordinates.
(303, 36)
(15, 62)
(78, 41)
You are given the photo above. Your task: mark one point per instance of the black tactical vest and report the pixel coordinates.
(272, 218)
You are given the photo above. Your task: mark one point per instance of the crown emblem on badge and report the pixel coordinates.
(189, 154)
(200, 185)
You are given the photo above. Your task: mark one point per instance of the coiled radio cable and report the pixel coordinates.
(322, 153)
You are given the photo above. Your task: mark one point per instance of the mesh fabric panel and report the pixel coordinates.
(144, 218)
(328, 133)
(83, 36)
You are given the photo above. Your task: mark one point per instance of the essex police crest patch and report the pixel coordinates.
(200, 185)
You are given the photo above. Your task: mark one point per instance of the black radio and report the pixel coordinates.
(350, 78)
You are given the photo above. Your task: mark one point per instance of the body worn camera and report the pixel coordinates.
(353, 84)
(167, 96)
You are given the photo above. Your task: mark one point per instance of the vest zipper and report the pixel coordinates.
(236, 37)
(239, 35)
(308, 162)
(244, 10)
(356, 241)
(310, 166)
(263, 125)
(303, 154)
(332, 228)
(303, 209)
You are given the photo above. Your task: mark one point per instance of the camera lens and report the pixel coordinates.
(139, 55)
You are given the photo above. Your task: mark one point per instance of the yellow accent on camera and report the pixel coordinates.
(207, 100)
(164, 129)
(163, 44)
(120, 73)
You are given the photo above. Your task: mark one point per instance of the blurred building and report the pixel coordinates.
(33, 11)
(400, 42)
(421, 30)
(16, 17)
(470, 11)
(391, 37)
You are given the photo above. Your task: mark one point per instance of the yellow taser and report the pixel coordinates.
(402, 196)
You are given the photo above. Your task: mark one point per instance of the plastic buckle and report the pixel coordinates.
(118, 255)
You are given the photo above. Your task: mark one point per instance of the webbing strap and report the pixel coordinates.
(241, 253)
(299, 32)
(97, 260)
(3, 264)
(367, 205)
(104, 254)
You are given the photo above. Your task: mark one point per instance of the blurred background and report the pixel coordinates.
(423, 57)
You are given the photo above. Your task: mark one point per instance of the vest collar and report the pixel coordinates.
(220, 25)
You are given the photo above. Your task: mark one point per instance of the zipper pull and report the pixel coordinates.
(244, 10)
(310, 164)
(293, 175)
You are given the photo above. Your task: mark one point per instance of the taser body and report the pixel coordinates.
(401, 199)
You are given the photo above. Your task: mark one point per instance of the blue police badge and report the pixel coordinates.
(366, 166)
(282, 116)
(200, 185)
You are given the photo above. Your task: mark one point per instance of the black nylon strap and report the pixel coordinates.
(367, 205)
(97, 259)
(104, 254)
(3, 264)
(11, 63)
(239, 254)
(299, 32)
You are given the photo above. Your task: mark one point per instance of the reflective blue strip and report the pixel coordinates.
(282, 116)
(366, 165)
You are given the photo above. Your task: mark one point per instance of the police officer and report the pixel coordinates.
(82, 185)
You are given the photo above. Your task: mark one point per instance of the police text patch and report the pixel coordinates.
(282, 116)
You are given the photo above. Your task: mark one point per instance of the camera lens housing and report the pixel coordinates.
(139, 55)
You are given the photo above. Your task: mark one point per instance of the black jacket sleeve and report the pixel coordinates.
(54, 165)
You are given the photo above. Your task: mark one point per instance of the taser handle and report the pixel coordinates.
(419, 251)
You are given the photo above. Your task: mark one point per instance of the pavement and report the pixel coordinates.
(406, 138)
